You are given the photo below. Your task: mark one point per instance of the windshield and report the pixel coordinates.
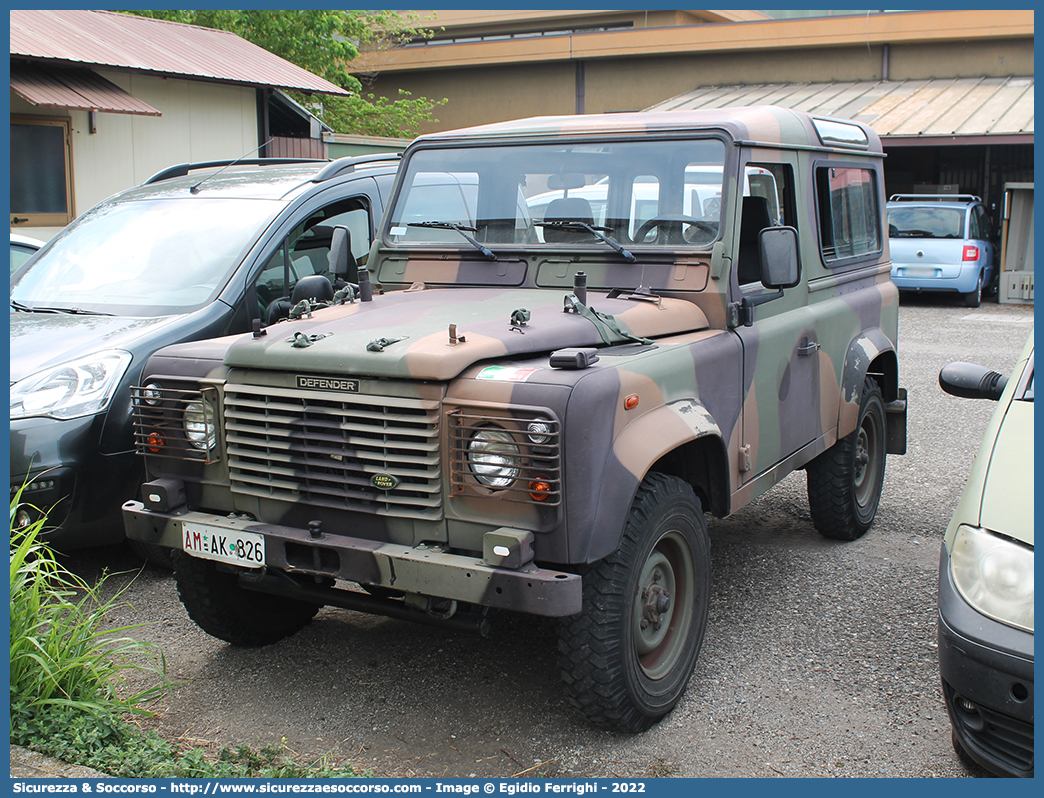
(145, 258)
(926, 223)
(562, 194)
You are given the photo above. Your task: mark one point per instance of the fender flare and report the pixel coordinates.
(634, 452)
(870, 348)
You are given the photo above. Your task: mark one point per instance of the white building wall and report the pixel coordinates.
(200, 122)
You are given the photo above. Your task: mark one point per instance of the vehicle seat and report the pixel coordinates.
(316, 287)
(755, 218)
(572, 209)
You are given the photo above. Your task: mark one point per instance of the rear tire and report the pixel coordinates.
(627, 658)
(974, 298)
(845, 481)
(223, 609)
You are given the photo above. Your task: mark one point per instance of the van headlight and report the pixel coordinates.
(493, 457)
(198, 420)
(994, 575)
(79, 387)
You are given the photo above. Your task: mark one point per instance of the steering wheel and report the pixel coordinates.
(674, 227)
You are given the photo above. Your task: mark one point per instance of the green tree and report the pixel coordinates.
(325, 42)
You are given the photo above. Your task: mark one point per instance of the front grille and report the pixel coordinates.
(539, 465)
(1004, 738)
(351, 452)
(158, 421)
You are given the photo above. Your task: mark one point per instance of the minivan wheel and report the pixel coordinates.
(845, 481)
(974, 298)
(223, 609)
(627, 657)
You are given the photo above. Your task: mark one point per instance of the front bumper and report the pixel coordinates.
(987, 675)
(66, 477)
(424, 570)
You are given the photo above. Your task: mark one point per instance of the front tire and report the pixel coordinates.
(845, 481)
(220, 607)
(627, 658)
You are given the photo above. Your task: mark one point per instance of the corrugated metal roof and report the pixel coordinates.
(126, 42)
(906, 109)
(51, 87)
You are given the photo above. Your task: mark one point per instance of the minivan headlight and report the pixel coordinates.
(994, 575)
(79, 387)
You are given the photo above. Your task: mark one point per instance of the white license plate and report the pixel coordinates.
(922, 272)
(231, 546)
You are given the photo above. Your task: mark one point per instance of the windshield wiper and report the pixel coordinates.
(460, 228)
(26, 309)
(572, 224)
(70, 311)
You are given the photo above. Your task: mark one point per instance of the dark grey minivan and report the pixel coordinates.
(197, 251)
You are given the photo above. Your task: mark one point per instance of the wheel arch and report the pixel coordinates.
(872, 354)
(677, 439)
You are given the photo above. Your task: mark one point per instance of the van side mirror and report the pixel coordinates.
(779, 257)
(342, 262)
(970, 381)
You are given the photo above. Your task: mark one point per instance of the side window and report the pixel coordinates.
(41, 188)
(768, 201)
(983, 223)
(849, 215)
(306, 250)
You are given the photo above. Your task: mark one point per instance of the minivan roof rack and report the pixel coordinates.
(349, 162)
(182, 169)
(934, 198)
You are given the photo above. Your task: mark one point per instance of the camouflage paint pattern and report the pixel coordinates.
(731, 409)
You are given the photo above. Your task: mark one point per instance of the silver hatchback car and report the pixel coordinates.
(941, 242)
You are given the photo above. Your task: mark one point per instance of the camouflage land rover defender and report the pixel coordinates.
(576, 337)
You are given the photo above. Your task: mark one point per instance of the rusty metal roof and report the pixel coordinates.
(128, 43)
(48, 87)
(951, 110)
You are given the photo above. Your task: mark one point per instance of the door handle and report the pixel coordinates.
(807, 348)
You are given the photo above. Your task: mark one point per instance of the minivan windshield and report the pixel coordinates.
(144, 258)
(635, 193)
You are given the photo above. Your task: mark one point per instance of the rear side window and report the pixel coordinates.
(849, 213)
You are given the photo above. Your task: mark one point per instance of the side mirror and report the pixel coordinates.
(970, 381)
(780, 267)
(342, 262)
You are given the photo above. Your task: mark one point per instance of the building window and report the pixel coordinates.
(849, 214)
(41, 177)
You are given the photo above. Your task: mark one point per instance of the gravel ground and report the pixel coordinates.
(820, 659)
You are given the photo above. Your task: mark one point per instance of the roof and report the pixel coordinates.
(937, 111)
(767, 125)
(81, 89)
(125, 42)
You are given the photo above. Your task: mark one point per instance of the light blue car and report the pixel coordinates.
(941, 242)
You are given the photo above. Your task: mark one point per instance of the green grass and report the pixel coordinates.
(71, 689)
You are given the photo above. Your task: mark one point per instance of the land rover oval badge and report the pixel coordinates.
(384, 481)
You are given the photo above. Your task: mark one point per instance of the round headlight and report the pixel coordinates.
(199, 426)
(151, 393)
(493, 457)
(539, 432)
